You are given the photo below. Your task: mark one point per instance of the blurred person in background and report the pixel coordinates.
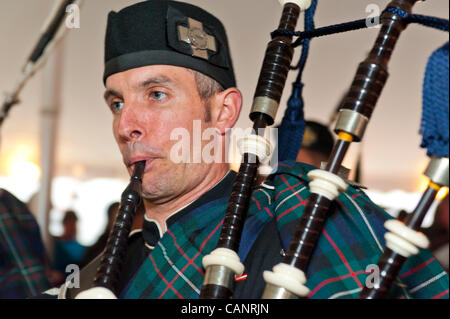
(67, 250)
(94, 250)
(317, 144)
(24, 266)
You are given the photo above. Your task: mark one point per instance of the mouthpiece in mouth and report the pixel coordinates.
(139, 168)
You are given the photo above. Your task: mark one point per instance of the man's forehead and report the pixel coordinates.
(142, 77)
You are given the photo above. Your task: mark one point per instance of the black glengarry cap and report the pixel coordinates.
(168, 33)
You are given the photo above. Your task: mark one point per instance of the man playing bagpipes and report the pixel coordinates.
(168, 70)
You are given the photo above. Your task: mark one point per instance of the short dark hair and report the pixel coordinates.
(318, 138)
(70, 216)
(207, 87)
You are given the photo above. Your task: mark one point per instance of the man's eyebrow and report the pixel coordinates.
(109, 93)
(142, 85)
(154, 80)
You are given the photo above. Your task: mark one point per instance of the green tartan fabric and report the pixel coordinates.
(351, 243)
(174, 268)
(24, 267)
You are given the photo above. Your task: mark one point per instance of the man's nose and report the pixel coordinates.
(130, 123)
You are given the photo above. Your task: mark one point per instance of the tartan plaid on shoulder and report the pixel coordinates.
(23, 262)
(174, 268)
(351, 241)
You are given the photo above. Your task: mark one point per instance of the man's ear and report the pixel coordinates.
(228, 105)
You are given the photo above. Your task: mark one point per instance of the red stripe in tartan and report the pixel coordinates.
(191, 261)
(291, 209)
(9, 279)
(341, 255)
(284, 165)
(164, 279)
(289, 188)
(16, 238)
(329, 280)
(417, 268)
(29, 224)
(440, 295)
(356, 195)
(36, 278)
(257, 203)
(257, 190)
(345, 209)
(210, 235)
(37, 281)
(183, 253)
(268, 211)
(22, 261)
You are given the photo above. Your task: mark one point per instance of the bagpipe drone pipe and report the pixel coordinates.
(288, 279)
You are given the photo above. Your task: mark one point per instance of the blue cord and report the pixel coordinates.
(432, 22)
(435, 123)
(292, 126)
(434, 126)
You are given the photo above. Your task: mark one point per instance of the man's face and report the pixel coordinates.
(148, 103)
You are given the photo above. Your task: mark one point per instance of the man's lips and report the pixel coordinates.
(148, 161)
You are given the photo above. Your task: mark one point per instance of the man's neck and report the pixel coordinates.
(161, 212)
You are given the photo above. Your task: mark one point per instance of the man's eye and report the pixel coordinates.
(116, 106)
(158, 95)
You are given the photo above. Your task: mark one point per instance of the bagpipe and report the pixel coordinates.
(112, 258)
(287, 280)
